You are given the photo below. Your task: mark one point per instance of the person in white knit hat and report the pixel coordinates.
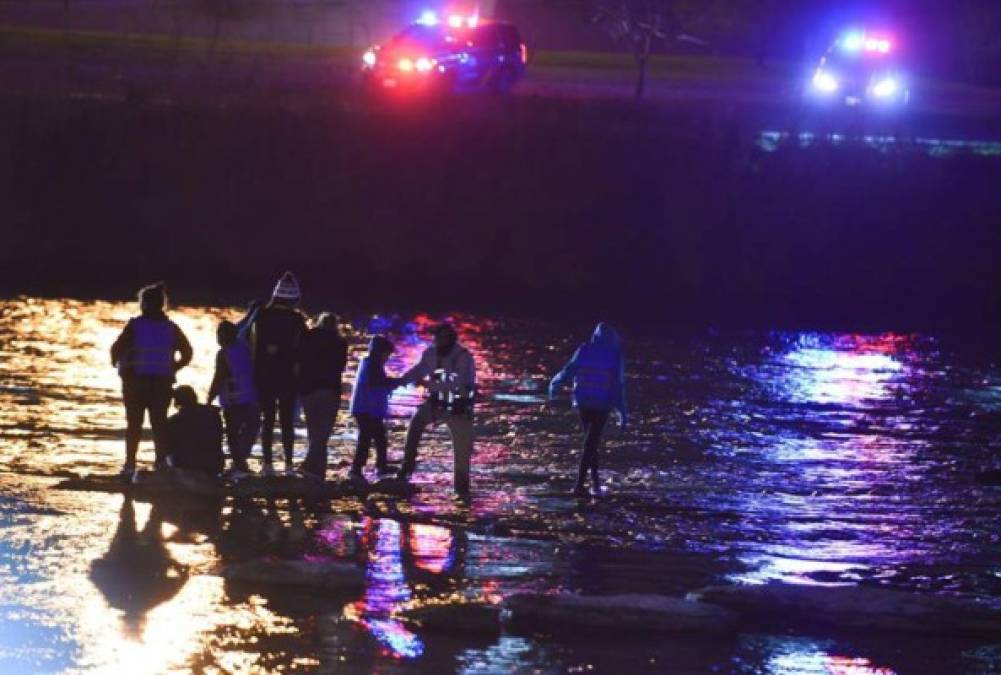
(275, 336)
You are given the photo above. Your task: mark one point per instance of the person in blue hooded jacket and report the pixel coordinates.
(370, 404)
(598, 374)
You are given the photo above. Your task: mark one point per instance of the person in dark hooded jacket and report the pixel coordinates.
(598, 374)
(323, 354)
(275, 334)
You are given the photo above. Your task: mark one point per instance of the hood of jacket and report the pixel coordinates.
(605, 336)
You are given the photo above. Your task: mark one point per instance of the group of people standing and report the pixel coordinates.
(271, 362)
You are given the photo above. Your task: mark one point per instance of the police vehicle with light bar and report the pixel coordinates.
(859, 70)
(452, 54)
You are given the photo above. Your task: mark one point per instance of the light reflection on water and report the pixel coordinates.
(841, 379)
(807, 458)
(770, 141)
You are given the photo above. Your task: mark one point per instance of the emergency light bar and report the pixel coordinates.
(859, 41)
(429, 17)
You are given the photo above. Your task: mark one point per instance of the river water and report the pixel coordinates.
(806, 458)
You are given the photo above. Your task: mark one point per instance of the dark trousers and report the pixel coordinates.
(320, 407)
(141, 394)
(371, 429)
(593, 422)
(281, 403)
(242, 425)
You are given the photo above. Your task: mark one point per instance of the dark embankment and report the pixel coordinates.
(519, 204)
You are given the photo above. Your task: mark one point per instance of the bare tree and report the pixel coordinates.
(640, 24)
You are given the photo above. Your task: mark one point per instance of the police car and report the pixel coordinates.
(450, 54)
(859, 70)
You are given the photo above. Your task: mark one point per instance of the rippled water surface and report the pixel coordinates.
(799, 457)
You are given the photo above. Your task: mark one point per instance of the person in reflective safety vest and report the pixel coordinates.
(233, 383)
(148, 352)
(448, 373)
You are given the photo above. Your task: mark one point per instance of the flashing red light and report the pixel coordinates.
(405, 65)
(881, 45)
(459, 21)
(524, 52)
(860, 41)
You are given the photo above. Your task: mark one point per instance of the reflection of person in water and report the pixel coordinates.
(250, 530)
(137, 573)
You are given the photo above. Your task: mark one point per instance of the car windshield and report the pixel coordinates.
(856, 64)
(419, 37)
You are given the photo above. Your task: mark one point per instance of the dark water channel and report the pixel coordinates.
(805, 458)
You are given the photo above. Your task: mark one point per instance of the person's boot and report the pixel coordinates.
(236, 473)
(128, 472)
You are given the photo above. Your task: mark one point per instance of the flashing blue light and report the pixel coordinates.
(853, 42)
(428, 18)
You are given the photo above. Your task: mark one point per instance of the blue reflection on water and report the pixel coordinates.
(770, 141)
(806, 656)
(387, 588)
(816, 523)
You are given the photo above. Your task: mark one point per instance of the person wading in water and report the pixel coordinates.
(275, 334)
(448, 373)
(148, 353)
(597, 370)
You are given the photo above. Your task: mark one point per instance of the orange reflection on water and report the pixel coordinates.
(128, 599)
(60, 378)
(847, 665)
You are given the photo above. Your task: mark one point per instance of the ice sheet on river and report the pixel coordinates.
(857, 607)
(159, 483)
(615, 614)
(316, 574)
